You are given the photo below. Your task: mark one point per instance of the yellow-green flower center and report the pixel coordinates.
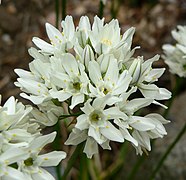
(29, 161)
(96, 116)
(105, 91)
(77, 86)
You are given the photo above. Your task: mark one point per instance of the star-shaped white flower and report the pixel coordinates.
(60, 41)
(32, 165)
(72, 81)
(106, 79)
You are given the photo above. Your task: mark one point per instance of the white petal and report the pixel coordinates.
(158, 117)
(95, 133)
(104, 60)
(11, 105)
(94, 72)
(24, 74)
(60, 79)
(76, 138)
(149, 90)
(53, 33)
(142, 138)
(128, 35)
(154, 74)
(111, 133)
(97, 24)
(141, 123)
(51, 159)
(70, 65)
(42, 174)
(44, 46)
(88, 55)
(135, 70)
(13, 155)
(82, 122)
(122, 84)
(68, 27)
(76, 99)
(106, 145)
(38, 143)
(60, 95)
(128, 137)
(91, 147)
(112, 72)
(136, 104)
(35, 99)
(13, 174)
(114, 112)
(164, 94)
(87, 109)
(100, 103)
(84, 23)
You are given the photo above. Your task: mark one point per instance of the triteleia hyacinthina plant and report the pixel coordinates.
(175, 55)
(88, 72)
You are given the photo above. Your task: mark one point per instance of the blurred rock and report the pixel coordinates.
(7, 39)
(175, 165)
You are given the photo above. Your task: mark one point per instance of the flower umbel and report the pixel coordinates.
(89, 74)
(175, 55)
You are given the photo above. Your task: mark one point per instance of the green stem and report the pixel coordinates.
(115, 7)
(69, 115)
(57, 12)
(92, 171)
(160, 163)
(72, 159)
(113, 170)
(83, 172)
(63, 9)
(136, 167)
(101, 8)
(56, 145)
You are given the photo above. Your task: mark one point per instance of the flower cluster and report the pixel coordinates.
(91, 71)
(175, 55)
(21, 143)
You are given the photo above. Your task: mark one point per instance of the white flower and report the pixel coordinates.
(72, 82)
(32, 165)
(106, 38)
(129, 107)
(146, 128)
(143, 76)
(95, 126)
(37, 82)
(175, 55)
(8, 158)
(108, 82)
(91, 146)
(60, 42)
(48, 113)
(90, 69)
(16, 129)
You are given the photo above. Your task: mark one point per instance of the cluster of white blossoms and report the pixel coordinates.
(91, 71)
(175, 55)
(21, 143)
